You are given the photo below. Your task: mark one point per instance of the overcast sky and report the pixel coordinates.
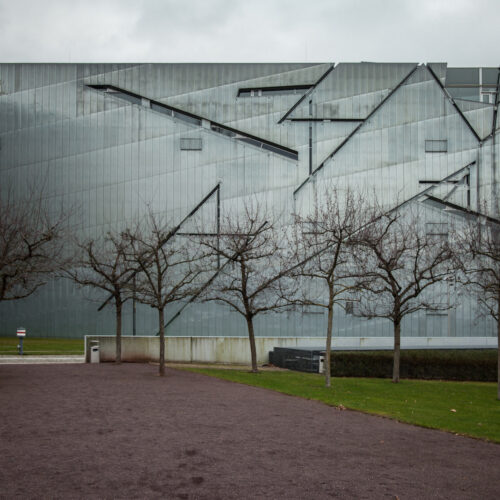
(460, 32)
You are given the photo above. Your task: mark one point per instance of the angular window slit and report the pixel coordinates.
(222, 131)
(270, 91)
(127, 97)
(161, 109)
(187, 118)
(196, 120)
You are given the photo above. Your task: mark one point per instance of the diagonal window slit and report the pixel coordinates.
(197, 120)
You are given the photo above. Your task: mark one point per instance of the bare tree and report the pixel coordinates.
(102, 263)
(253, 263)
(323, 241)
(399, 261)
(167, 268)
(477, 255)
(31, 243)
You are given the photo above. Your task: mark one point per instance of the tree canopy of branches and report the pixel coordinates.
(253, 259)
(323, 240)
(31, 243)
(477, 255)
(167, 268)
(399, 261)
(102, 263)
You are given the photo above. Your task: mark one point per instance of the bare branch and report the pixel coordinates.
(31, 243)
(323, 241)
(477, 257)
(167, 267)
(101, 263)
(399, 262)
(254, 264)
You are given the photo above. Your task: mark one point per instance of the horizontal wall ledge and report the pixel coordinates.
(236, 350)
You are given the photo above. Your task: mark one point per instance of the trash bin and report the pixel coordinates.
(321, 363)
(94, 351)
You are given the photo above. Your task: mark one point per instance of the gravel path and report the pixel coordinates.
(106, 431)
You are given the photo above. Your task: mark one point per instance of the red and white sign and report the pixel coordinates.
(21, 332)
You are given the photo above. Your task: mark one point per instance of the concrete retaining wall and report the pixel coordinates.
(194, 349)
(236, 350)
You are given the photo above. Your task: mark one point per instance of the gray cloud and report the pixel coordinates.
(462, 32)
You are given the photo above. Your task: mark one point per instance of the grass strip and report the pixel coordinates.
(41, 346)
(468, 408)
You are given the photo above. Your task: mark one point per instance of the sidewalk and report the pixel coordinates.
(40, 360)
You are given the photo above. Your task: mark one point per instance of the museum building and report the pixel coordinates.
(113, 139)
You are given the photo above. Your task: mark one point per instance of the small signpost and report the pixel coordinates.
(21, 333)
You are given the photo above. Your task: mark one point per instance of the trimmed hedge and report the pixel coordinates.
(467, 365)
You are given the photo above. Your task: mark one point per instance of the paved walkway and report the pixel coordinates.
(39, 360)
(120, 431)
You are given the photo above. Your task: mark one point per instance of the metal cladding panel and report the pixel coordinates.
(495, 190)
(256, 115)
(439, 70)
(19, 77)
(111, 157)
(388, 152)
(489, 176)
(352, 107)
(478, 114)
(349, 79)
(89, 70)
(163, 81)
(328, 136)
(358, 87)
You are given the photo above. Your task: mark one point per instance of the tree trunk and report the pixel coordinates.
(251, 338)
(118, 356)
(328, 347)
(397, 351)
(162, 343)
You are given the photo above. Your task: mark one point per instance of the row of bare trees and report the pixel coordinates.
(143, 261)
(380, 263)
(344, 251)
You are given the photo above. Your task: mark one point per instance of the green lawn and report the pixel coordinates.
(38, 346)
(469, 408)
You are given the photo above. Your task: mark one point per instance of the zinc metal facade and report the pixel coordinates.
(113, 138)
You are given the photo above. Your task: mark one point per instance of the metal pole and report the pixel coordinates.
(133, 310)
(218, 226)
(310, 139)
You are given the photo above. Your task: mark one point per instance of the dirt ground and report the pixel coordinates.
(106, 431)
